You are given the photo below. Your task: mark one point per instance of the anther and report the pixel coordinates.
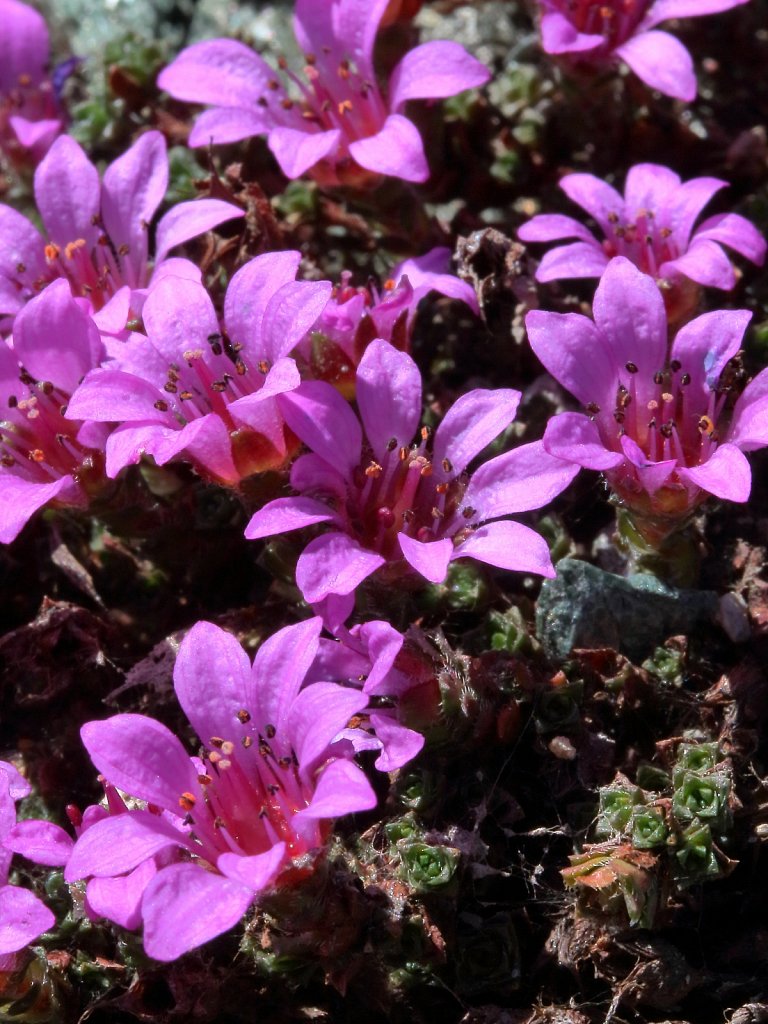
(270, 731)
(243, 716)
(227, 747)
(187, 801)
(468, 512)
(447, 466)
(391, 444)
(161, 406)
(631, 367)
(658, 377)
(426, 433)
(247, 741)
(593, 408)
(675, 365)
(685, 380)
(217, 741)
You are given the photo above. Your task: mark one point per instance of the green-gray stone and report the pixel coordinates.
(588, 607)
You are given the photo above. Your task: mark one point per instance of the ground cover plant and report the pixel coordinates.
(383, 605)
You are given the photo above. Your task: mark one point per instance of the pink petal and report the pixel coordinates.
(576, 438)
(652, 475)
(629, 312)
(341, 789)
(120, 843)
(508, 545)
(705, 262)
(53, 335)
(40, 841)
(433, 71)
(749, 424)
(320, 417)
(430, 559)
(249, 294)
(290, 314)
(134, 186)
(396, 150)
(257, 872)
(550, 227)
(279, 671)
(560, 341)
(188, 220)
(219, 71)
(334, 564)
(388, 396)
(684, 204)
(223, 125)
(23, 245)
(705, 345)
(737, 232)
(575, 260)
(141, 757)
(111, 395)
(650, 187)
(597, 197)
(315, 717)
(525, 478)
(22, 918)
(471, 423)
(664, 10)
(179, 315)
(119, 899)
(25, 44)
(68, 193)
(210, 678)
(285, 514)
(399, 745)
(662, 62)
(20, 499)
(297, 151)
(558, 35)
(185, 906)
(726, 474)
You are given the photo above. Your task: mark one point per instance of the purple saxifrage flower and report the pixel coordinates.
(260, 795)
(365, 657)
(412, 508)
(354, 316)
(653, 226)
(204, 392)
(599, 33)
(22, 915)
(661, 425)
(97, 231)
(332, 120)
(46, 457)
(30, 113)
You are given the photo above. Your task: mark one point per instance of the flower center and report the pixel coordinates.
(36, 441)
(248, 792)
(643, 241)
(403, 494)
(330, 95)
(664, 417)
(616, 20)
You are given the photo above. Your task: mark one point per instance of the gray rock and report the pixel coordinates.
(588, 607)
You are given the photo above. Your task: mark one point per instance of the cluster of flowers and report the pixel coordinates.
(108, 356)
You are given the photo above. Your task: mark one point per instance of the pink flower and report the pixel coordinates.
(332, 120)
(232, 821)
(97, 232)
(599, 33)
(410, 507)
(46, 457)
(653, 226)
(22, 915)
(30, 113)
(662, 426)
(354, 316)
(199, 390)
